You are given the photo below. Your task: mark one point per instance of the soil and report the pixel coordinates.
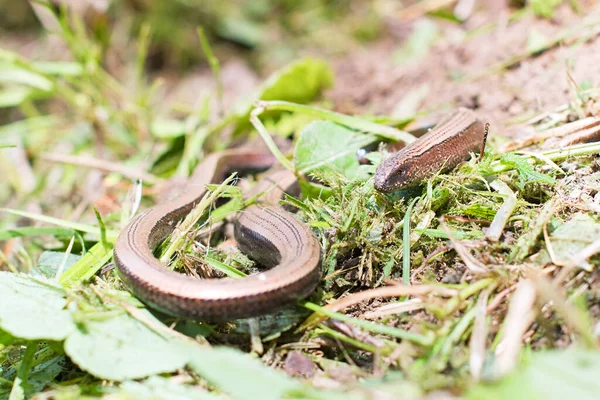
(369, 82)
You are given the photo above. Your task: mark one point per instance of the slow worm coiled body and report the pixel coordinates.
(268, 234)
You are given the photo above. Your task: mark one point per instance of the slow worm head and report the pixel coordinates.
(441, 149)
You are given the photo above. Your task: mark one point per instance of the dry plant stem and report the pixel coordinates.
(471, 262)
(584, 136)
(504, 213)
(255, 342)
(103, 165)
(549, 247)
(479, 335)
(520, 316)
(387, 291)
(395, 308)
(558, 132)
(499, 298)
(437, 251)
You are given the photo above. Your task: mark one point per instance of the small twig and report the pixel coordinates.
(395, 308)
(437, 251)
(471, 262)
(399, 289)
(479, 335)
(519, 318)
(549, 247)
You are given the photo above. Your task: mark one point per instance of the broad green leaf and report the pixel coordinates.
(49, 262)
(326, 146)
(121, 347)
(299, 82)
(239, 375)
(549, 375)
(241, 30)
(33, 308)
(569, 239)
(158, 388)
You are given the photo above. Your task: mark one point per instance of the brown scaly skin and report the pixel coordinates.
(441, 149)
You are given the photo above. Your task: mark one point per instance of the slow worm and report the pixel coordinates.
(267, 233)
(441, 149)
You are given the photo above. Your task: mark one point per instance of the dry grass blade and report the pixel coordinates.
(388, 291)
(478, 336)
(395, 308)
(504, 213)
(519, 318)
(471, 262)
(562, 131)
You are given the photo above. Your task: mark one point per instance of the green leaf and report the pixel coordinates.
(158, 388)
(121, 347)
(299, 82)
(12, 74)
(326, 146)
(569, 239)
(13, 96)
(49, 262)
(241, 30)
(58, 68)
(526, 172)
(26, 126)
(544, 8)
(6, 339)
(239, 375)
(549, 375)
(33, 308)
(86, 266)
(164, 128)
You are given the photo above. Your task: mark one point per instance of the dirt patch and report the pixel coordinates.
(370, 82)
